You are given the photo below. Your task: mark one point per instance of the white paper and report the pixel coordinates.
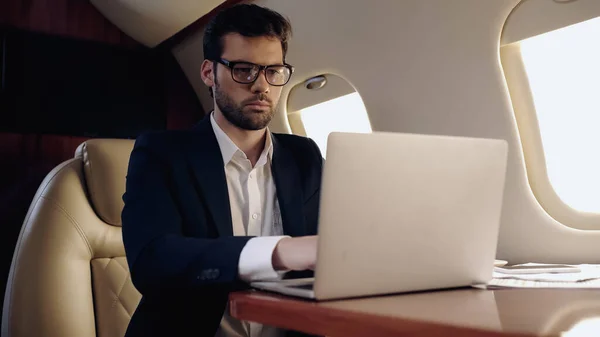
(588, 278)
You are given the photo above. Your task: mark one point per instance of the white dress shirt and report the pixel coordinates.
(254, 212)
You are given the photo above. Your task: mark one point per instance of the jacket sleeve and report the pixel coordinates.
(159, 255)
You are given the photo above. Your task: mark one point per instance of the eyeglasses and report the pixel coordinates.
(246, 72)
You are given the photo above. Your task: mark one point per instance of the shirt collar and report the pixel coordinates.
(229, 149)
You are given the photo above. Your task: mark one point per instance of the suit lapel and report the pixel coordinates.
(207, 165)
(289, 189)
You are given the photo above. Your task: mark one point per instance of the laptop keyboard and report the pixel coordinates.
(303, 286)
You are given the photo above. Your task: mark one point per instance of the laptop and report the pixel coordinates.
(404, 213)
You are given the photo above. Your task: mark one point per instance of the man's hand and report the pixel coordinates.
(295, 254)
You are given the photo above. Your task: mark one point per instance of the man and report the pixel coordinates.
(211, 209)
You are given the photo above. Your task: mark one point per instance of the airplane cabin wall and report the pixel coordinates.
(76, 19)
(423, 66)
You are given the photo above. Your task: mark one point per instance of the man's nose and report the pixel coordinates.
(260, 85)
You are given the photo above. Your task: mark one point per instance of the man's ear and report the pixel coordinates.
(207, 73)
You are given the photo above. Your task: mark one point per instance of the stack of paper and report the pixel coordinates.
(588, 278)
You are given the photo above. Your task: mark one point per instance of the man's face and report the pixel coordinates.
(247, 106)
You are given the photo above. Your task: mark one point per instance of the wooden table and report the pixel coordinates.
(462, 312)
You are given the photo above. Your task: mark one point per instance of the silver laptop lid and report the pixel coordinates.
(408, 212)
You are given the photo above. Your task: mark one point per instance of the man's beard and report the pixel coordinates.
(235, 115)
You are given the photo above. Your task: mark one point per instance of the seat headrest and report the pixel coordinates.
(105, 163)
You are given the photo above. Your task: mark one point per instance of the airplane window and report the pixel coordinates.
(342, 114)
(585, 327)
(563, 70)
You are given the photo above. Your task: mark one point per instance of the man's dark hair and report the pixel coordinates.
(247, 20)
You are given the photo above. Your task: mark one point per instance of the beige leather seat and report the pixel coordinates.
(69, 275)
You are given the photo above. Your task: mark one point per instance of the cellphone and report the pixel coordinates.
(537, 269)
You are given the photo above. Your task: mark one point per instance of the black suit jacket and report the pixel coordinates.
(177, 227)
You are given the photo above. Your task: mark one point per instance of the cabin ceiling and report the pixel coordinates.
(151, 22)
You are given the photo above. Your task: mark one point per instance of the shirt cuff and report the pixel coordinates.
(256, 259)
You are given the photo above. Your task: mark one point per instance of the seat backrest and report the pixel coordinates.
(69, 275)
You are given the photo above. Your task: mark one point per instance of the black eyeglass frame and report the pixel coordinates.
(232, 64)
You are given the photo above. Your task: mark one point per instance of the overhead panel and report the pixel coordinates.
(151, 22)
